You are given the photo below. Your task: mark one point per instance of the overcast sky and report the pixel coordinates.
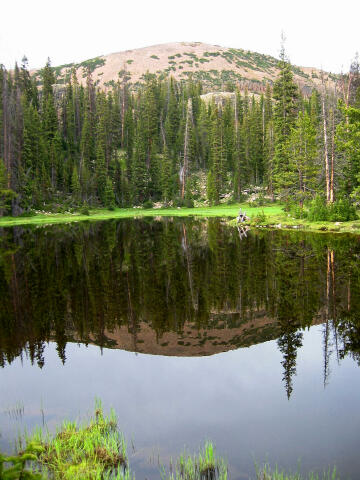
(320, 33)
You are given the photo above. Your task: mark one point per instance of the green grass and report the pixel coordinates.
(267, 473)
(203, 466)
(90, 450)
(275, 217)
(230, 211)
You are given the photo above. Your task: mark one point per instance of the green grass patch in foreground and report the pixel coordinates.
(203, 466)
(91, 450)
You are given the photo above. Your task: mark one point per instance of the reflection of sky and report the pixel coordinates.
(237, 399)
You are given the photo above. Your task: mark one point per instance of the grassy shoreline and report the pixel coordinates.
(275, 217)
(94, 449)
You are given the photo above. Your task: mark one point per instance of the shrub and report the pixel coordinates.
(85, 210)
(179, 202)
(28, 213)
(148, 204)
(260, 218)
(295, 210)
(340, 211)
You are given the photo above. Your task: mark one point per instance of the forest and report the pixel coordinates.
(76, 146)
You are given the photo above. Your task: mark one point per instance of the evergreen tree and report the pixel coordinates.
(286, 94)
(303, 155)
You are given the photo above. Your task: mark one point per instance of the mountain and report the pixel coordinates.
(215, 66)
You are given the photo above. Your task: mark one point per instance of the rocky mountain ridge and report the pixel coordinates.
(215, 66)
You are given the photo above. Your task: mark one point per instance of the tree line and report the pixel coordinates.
(76, 145)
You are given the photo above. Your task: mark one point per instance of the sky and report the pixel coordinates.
(322, 34)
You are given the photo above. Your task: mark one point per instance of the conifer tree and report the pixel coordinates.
(166, 176)
(286, 94)
(302, 156)
(216, 174)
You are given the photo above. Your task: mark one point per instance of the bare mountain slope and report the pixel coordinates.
(213, 65)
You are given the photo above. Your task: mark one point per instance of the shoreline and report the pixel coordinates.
(276, 218)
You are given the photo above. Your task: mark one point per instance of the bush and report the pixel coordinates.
(189, 203)
(85, 211)
(296, 210)
(148, 204)
(260, 218)
(27, 213)
(179, 202)
(340, 211)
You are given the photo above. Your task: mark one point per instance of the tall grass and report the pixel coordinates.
(89, 450)
(203, 466)
(267, 473)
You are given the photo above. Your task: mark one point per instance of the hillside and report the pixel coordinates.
(215, 66)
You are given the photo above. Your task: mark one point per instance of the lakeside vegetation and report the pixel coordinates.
(95, 449)
(267, 216)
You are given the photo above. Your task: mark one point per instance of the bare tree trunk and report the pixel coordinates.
(188, 262)
(331, 193)
(326, 154)
(327, 311)
(183, 171)
(6, 130)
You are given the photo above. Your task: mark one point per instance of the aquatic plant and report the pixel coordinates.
(203, 466)
(91, 450)
(267, 473)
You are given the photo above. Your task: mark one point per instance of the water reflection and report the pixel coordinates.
(176, 287)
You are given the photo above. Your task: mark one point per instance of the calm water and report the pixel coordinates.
(191, 332)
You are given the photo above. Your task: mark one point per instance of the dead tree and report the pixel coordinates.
(185, 166)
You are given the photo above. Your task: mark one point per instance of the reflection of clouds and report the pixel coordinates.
(166, 403)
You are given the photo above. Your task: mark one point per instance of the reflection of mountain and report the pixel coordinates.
(176, 287)
(192, 342)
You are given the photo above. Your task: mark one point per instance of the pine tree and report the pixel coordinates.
(172, 121)
(286, 94)
(75, 184)
(303, 155)
(166, 176)
(216, 174)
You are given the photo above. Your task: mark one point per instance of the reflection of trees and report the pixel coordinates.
(288, 345)
(349, 329)
(81, 281)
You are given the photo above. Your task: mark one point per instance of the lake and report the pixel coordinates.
(192, 331)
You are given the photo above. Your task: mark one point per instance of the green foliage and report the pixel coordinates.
(6, 194)
(259, 219)
(20, 466)
(85, 210)
(340, 211)
(296, 210)
(92, 63)
(148, 204)
(203, 466)
(94, 449)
